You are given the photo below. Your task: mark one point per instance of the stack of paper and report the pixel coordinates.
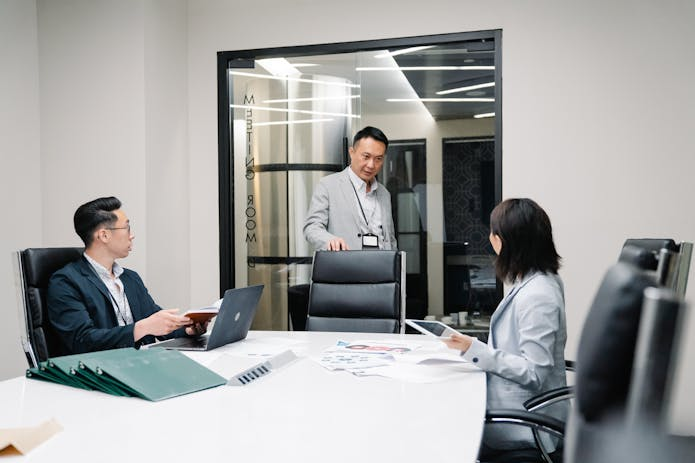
(425, 362)
(152, 374)
(358, 355)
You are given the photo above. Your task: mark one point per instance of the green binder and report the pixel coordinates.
(46, 373)
(152, 374)
(160, 374)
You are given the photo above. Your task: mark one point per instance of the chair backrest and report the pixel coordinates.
(624, 371)
(604, 359)
(34, 268)
(655, 355)
(357, 291)
(669, 261)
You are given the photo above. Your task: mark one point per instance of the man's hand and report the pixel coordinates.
(160, 323)
(337, 244)
(458, 341)
(197, 329)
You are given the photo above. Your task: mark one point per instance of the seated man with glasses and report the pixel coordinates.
(94, 303)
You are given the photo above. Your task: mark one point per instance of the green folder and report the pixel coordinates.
(152, 374)
(159, 374)
(45, 373)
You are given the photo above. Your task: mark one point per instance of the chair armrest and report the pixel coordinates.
(549, 398)
(532, 420)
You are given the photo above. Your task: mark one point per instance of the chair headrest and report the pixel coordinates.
(40, 263)
(652, 244)
(356, 267)
(639, 257)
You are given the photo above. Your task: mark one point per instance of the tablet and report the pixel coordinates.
(432, 328)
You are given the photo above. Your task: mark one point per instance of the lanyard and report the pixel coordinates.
(123, 314)
(360, 203)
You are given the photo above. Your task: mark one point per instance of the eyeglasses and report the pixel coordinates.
(127, 227)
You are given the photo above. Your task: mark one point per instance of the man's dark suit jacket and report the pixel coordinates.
(82, 315)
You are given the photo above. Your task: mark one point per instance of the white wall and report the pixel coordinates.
(167, 155)
(20, 166)
(598, 111)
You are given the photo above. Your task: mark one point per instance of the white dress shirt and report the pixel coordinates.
(119, 301)
(370, 206)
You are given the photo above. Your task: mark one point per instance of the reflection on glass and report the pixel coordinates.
(293, 119)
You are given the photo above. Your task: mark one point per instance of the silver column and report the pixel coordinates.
(288, 155)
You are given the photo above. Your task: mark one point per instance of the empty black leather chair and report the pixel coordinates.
(357, 291)
(35, 267)
(602, 375)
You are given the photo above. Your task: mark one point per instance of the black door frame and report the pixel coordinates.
(244, 59)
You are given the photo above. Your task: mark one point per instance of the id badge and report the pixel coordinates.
(370, 241)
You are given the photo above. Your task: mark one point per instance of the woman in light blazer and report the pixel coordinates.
(524, 355)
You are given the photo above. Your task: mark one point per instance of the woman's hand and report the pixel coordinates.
(458, 341)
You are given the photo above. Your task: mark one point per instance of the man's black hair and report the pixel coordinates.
(90, 216)
(370, 132)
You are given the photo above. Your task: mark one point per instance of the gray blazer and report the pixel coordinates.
(335, 212)
(524, 355)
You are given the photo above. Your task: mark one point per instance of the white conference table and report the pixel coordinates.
(301, 412)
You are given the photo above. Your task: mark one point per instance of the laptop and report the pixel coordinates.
(232, 324)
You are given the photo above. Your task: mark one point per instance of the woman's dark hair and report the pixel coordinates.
(527, 239)
(371, 132)
(90, 216)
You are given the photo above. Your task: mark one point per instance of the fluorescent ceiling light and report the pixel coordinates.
(304, 65)
(442, 100)
(278, 67)
(403, 51)
(480, 116)
(465, 89)
(294, 79)
(297, 111)
(427, 68)
(317, 98)
(299, 121)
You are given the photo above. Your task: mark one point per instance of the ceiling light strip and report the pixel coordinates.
(442, 100)
(297, 111)
(294, 79)
(317, 98)
(403, 51)
(480, 116)
(465, 89)
(427, 68)
(300, 121)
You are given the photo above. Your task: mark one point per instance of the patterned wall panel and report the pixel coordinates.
(468, 191)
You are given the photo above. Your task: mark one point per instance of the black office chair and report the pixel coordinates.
(357, 291)
(603, 368)
(33, 268)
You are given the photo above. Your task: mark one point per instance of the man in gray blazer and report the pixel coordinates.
(350, 209)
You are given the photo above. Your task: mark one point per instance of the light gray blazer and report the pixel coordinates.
(335, 212)
(524, 355)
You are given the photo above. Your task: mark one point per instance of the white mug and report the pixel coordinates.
(446, 320)
(463, 318)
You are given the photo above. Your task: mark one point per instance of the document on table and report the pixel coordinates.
(363, 354)
(340, 359)
(424, 362)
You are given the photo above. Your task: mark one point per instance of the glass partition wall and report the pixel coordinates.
(287, 117)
